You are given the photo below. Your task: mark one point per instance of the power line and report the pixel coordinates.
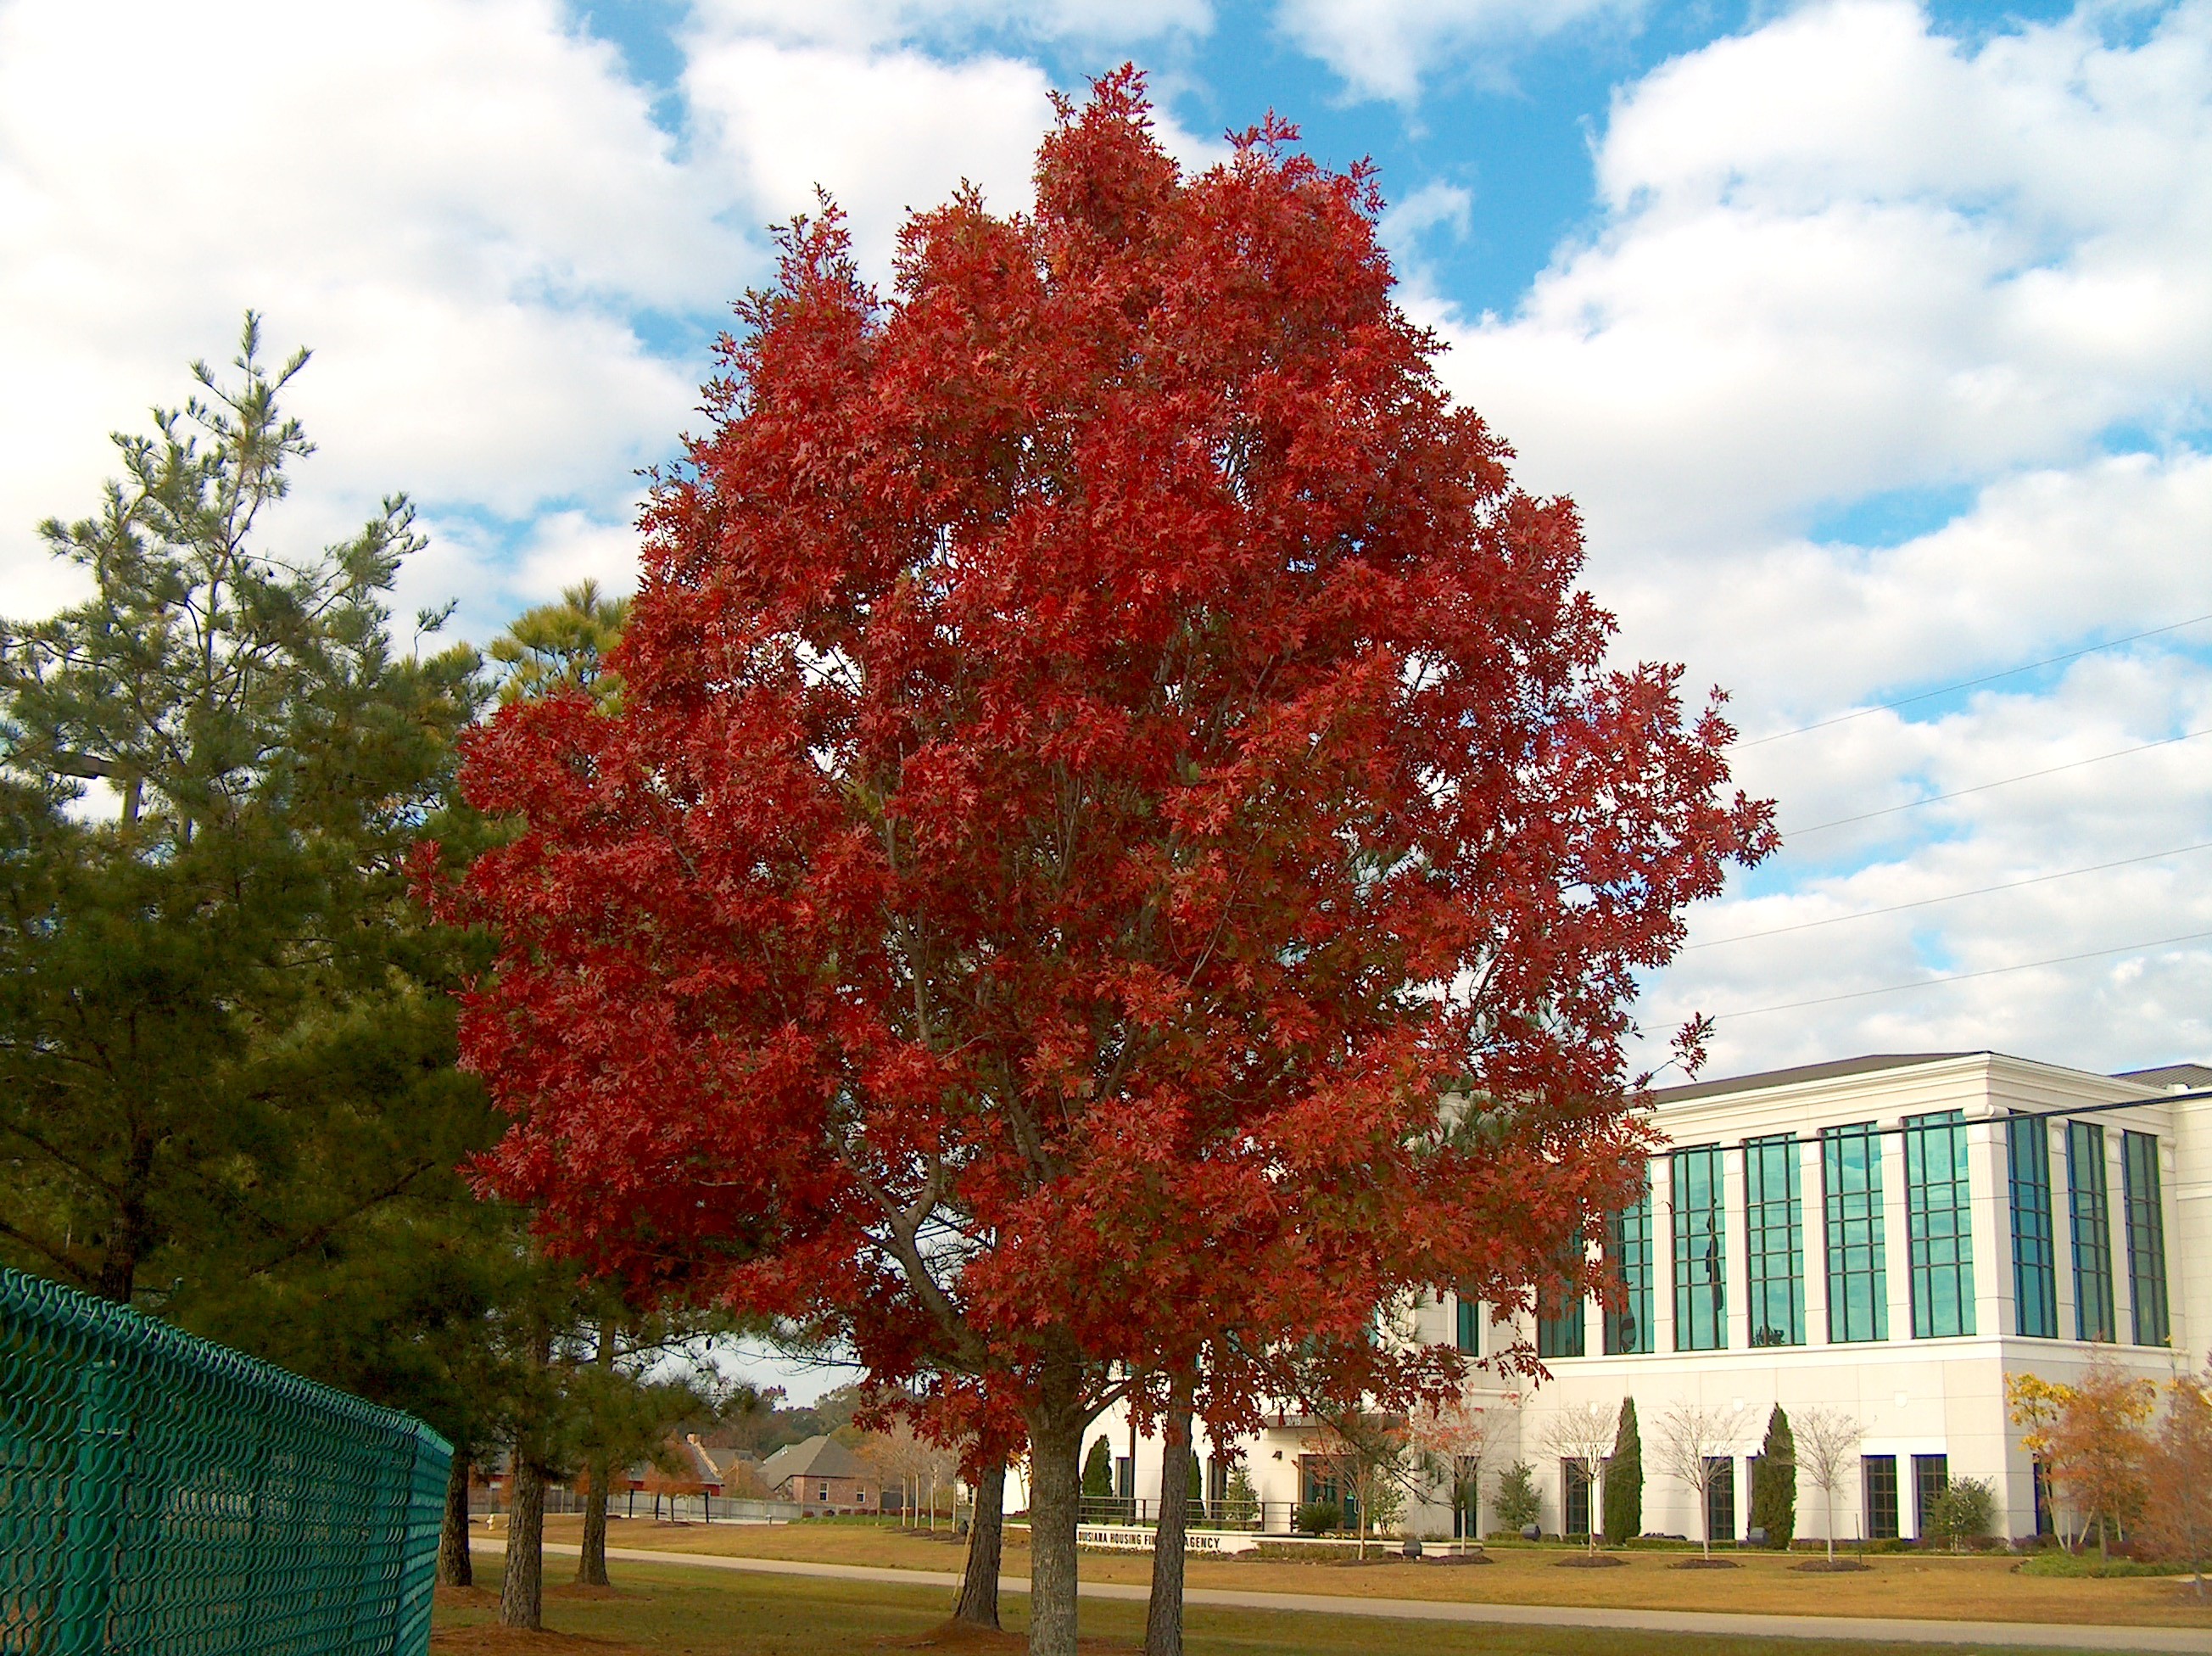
(1788, 834)
(1961, 977)
(1967, 683)
(1948, 897)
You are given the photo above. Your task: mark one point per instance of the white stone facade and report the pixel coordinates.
(1933, 1393)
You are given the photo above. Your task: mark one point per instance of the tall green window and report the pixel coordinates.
(1469, 1332)
(1628, 1327)
(1939, 1225)
(1850, 1190)
(1559, 1321)
(1773, 1224)
(2146, 1238)
(2034, 1238)
(1561, 1335)
(1700, 1251)
(2089, 1209)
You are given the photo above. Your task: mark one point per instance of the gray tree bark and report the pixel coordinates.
(522, 1588)
(1055, 1425)
(591, 1560)
(455, 1568)
(978, 1603)
(1163, 1614)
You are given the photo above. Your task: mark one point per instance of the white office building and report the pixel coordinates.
(1889, 1236)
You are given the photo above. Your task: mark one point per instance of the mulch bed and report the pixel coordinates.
(1705, 1564)
(1592, 1562)
(1822, 1567)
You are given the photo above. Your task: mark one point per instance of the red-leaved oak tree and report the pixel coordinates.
(1119, 848)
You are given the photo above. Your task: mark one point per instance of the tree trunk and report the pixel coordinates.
(1163, 1615)
(455, 1568)
(592, 1562)
(1055, 1425)
(522, 1588)
(978, 1603)
(1831, 1528)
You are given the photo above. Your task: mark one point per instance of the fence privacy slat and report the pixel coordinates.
(168, 1497)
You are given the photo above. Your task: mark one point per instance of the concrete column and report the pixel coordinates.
(1662, 1254)
(2116, 1215)
(1735, 1258)
(1989, 1189)
(2062, 1226)
(1896, 1243)
(1814, 1241)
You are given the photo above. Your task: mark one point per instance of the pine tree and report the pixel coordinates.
(1624, 1480)
(1774, 1483)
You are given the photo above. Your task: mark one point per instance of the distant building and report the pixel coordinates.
(1890, 1236)
(822, 1475)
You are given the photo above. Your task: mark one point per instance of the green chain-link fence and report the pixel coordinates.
(159, 1494)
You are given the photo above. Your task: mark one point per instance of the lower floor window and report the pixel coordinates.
(1931, 1476)
(1879, 1472)
(1720, 1498)
(1575, 1480)
(2043, 1522)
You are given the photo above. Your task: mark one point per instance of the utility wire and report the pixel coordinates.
(1966, 684)
(1961, 977)
(1948, 897)
(1788, 834)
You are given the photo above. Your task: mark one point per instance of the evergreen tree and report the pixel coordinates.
(1774, 1482)
(1624, 1480)
(563, 646)
(1098, 1471)
(1517, 1504)
(226, 1036)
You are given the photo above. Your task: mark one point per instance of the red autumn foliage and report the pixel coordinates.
(1105, 748)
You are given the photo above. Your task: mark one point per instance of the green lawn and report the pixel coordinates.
(681, 1612)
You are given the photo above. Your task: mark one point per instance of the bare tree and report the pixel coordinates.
(1827, 1454)
(1581, 1436)
(1696, 1446)
(1455, 1440)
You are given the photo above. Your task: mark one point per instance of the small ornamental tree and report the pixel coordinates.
(1104, 752)
(2092, 1437)
(1827, 1450)
(1453, 1439)
(1518, 1505)
(1624, 1480)
(1581, 1436)
(2177, 1520)
(1774, 1483)
(1696, 1446)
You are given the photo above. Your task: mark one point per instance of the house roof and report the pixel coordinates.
(1834, 1070)
(2168, 1076)
(818, 1456)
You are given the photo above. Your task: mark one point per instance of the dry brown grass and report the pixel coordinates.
(1908, 1584)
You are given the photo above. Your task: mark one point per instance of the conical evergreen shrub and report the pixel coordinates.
(1623, 1479)
(1774, 1483)
(1098, 1471)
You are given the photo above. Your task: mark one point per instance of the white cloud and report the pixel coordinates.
(1846, 254)
(881, 132)
(460, 207)
(1387, 48)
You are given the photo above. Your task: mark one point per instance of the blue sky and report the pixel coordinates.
(1875, 340)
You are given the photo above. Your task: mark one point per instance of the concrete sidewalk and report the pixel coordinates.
(1992, 1635)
